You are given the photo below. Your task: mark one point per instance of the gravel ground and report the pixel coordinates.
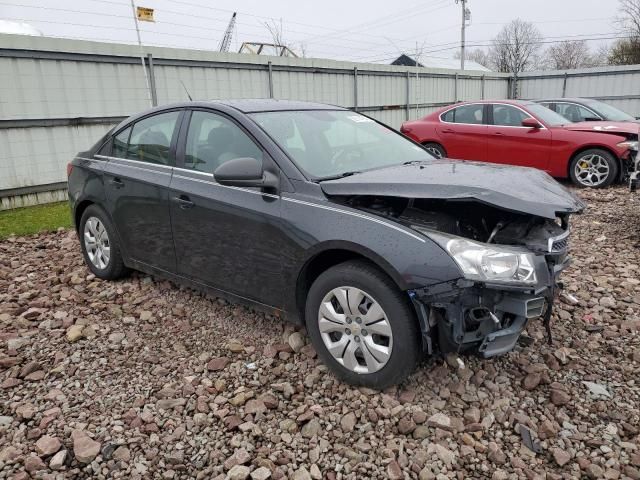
(142, 379)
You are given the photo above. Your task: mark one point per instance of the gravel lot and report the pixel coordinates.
(142, 379)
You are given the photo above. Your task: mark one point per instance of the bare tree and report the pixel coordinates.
(627, 51)
(276, 31)
(478, 55)
(515, 47)
(600, 57)
(629, 18)
(568, 55)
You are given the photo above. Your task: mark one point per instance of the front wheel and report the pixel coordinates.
(595, 168)
(362, 326)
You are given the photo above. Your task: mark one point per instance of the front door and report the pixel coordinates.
(512, 144)
(226, 237)
(137, 177)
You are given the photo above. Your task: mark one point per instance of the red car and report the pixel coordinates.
(591, 154)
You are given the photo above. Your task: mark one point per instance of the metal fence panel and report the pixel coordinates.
(59, 96)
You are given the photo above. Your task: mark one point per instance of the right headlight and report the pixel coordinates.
(488, 263)
(630, 144)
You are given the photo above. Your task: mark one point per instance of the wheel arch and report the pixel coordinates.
(334, 253)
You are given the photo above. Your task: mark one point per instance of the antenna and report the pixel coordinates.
(186, 91)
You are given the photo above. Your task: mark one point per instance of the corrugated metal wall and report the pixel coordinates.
(619, 86)
(58, 96)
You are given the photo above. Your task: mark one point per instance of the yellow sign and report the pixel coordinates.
(145, 14)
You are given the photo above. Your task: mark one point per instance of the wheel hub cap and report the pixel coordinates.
(592, 170)
(355, 329)
(96, 242)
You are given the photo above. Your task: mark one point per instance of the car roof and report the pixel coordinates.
(495, 100)
(252, 105)
(565, 99)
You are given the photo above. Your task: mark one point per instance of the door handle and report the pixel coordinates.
(116, 182)
(184, 202)
(447, 131)
(498, 133)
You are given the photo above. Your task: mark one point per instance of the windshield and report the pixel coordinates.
(328, 143)
(547, 116)
(609, 113)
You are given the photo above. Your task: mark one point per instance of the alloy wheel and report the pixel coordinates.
(434, 151)
(592, 170)
(355, 329)
(96, 242)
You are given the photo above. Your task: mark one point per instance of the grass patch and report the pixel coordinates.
(30, 220)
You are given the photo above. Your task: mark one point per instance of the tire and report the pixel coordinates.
(382, 366)
(435, 149)
(593, 168)
(103, 255)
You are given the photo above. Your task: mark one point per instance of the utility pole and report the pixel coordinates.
(144, 68)
(466, 15)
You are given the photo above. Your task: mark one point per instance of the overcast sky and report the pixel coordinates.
(371, 30)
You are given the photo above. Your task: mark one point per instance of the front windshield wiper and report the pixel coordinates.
(339, 175)
(413, 162)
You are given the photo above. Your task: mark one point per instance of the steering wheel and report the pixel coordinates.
(345, 156)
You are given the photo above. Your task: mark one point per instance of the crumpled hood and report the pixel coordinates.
(517, 189)
(624, 128)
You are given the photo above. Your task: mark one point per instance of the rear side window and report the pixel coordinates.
(574, 112)
(120, 142)
(151, 138)
(473, 114)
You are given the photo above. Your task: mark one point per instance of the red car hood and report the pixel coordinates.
(624, 128)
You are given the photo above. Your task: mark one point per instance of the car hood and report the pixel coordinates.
(624, 128)
(516, 189)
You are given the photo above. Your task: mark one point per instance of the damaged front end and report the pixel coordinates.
(510, 264)
(506, 228)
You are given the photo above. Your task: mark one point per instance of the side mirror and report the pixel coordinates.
(531, 123)
(245, 172)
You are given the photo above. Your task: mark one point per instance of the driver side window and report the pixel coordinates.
(213, 140)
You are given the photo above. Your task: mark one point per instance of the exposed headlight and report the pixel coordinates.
(488, 263)
(630, 144)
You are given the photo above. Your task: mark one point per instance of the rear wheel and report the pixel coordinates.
(362, 326)
(100, 245)
(435, 149)
(595, 168)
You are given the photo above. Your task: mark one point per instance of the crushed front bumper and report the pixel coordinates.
(481, 318)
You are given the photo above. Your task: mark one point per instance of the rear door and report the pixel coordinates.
(512, 144)
(463, 132)
(227, 237)
(137, 177)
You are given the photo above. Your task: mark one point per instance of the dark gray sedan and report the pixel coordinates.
(331, 219)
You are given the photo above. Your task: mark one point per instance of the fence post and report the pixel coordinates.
(408, 94)
(355, 89)
(270, 79)
(455, 89)
(564, 85)
(482, 79)
(152, 81)
(515, 86)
